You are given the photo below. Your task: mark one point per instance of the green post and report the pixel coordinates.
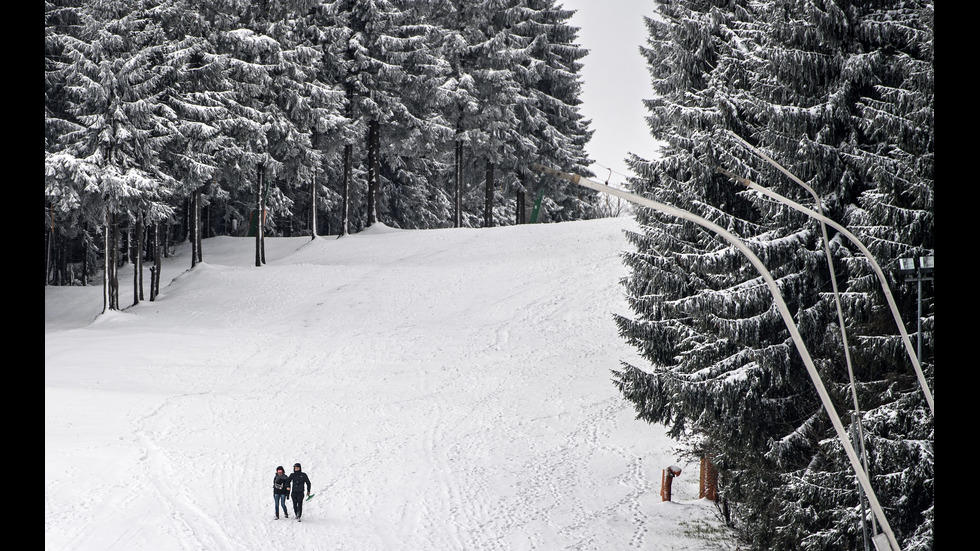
(537, 207)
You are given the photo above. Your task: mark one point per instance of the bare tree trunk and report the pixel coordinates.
(345, 192)
(458, 186)
(141, 249)
(198, 224)
(155, 268)
(374, 153)
(313, 221)
(114, 282)
(520, 207)
(193, 227)
(265, 193)
(313, 228)
(136, 255)
(48, 245)
(85, 265)
(106, 303)
(110, 281)
(488, 202)
(258, 215)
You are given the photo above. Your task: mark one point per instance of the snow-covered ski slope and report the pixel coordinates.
(444, 390)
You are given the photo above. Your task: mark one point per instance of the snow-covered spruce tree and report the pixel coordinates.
(477, 95)
(64, 216)
(455, 95)
(416, 135)
(505, 97)
(840, 94)
(111, 125)
(377, 39)
(327, 24)
(311, 102)
(318, 32)
(267, 114)
(550, 74)
(874, 154)
(197, 94)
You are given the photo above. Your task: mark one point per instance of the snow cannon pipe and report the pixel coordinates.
(783, 311)
(871, 260)
(874, 264)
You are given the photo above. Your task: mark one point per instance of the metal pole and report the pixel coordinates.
(918, 330)
(855, 422)
(783, 311)
(856, 418)
(906, 339)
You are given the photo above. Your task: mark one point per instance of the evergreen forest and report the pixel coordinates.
(173, 120)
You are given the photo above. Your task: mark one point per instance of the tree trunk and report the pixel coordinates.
(155, 269)
(374, 154)
(185, 221)
(313, 221)
(84, 255)
(110, 281)
(265, 193)
(258, 215)
(518, 215)
(193, 227)
(458, 186)
(488, 202)
(313, 228)
(166, 240)
(198, 224)
(107, 258)
(48, 244)
(114, 281)
(136, 254)
(345, 192)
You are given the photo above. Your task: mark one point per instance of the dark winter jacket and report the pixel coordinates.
(296, 482)
(280, 484)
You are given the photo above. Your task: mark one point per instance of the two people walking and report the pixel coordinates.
(283, 485)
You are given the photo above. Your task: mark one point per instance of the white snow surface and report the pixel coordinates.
(443, 389)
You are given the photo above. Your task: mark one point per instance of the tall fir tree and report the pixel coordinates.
(841, 94)
(111, 125)
(550, 75)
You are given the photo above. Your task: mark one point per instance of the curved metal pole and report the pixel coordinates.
(833, 280)
(840, 309)
(856, 421)
(874, 265)
(783, 311)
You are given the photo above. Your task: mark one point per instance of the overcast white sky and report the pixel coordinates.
(615, 80)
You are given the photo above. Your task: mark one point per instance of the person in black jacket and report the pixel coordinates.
(280, 489)
(296, 482)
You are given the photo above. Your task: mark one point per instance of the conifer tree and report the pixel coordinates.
(197, 96)
(478, 93)
(550, 77)
(112, 124)
(377, 43)
(270, 111)
(841, 94)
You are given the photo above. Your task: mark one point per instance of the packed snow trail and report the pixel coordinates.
(443, 389)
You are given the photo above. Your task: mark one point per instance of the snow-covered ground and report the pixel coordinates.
(444, 390)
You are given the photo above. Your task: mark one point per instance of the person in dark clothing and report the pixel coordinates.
(296, 482)
(280, 489)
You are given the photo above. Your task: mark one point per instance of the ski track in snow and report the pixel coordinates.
(443, 389)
